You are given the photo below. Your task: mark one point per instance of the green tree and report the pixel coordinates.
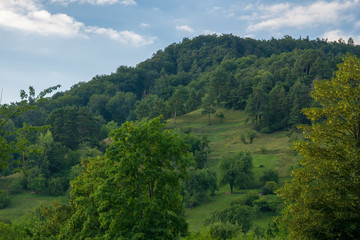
(177, 101)
(121, 105)
(200, 186)
(208, 104)
(28, 101)
(134, 193)
(236, 170)
(323, 196)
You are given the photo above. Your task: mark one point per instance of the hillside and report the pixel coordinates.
(269, 151)
(235, 102)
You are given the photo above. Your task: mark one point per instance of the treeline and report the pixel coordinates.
(238, 73)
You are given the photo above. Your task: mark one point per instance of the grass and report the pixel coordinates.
(25, 201)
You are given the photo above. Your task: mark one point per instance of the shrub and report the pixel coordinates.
(37, 183)
(223, 230)
(16, 185)
(270, 175)
(269, 187)
(4, 199)
(55, 186)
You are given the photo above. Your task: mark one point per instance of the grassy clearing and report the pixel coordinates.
(25, 201)
(197, 215)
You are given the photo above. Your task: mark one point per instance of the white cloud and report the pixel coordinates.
(125, 37)
(96, 2)
(145, 25)
(185, 28)
(27, 16)
(335, 35)
(289, 15)
(128, 2)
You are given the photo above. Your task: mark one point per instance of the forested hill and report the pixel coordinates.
(270, 79)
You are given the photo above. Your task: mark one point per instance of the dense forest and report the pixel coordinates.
(72, 143)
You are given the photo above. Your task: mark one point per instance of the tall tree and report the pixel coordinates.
(323, 195)
(177, 101)
(208, 105)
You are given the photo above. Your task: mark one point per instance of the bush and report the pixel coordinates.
(16, 185)
(223, 230)
(8, 231)
(262, 205)
(270, 175)
(250, 198)
(4, 199)
(269, 188)
(37, 183)
(251, 135)
(55, 186)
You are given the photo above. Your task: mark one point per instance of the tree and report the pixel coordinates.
(7, 112)
(134, 193)
(236, 170)
(208, 104)
(202, 184)
(121, 105)
(323, 195)
(177, 101)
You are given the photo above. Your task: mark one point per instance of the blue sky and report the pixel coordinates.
(49, 42)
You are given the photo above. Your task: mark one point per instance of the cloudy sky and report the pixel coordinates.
(48, 42)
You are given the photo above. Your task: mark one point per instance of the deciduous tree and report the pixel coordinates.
(134, 193)
(323, 197)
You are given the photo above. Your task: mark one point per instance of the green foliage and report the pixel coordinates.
(322, 198)
(236, 170)
(220, 116)
(240, 215)
(269, 187)
(16, 185)
(202, 184)
(223, 230)
(208, 104)
(251, 135)
(71, 126)
(135, 191)
(4, 199)
(270, 175)
(9, 232)
(44, 221)
(37, 183)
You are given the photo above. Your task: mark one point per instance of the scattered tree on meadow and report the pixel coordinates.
(323, 196)
(236, 170)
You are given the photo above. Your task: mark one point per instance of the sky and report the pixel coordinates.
(48, 42)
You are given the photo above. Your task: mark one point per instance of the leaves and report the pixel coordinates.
(323, 196)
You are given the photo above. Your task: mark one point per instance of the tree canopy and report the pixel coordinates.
(323, 195)
(134, 192)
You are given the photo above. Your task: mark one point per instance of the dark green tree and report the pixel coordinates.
(236, 170)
